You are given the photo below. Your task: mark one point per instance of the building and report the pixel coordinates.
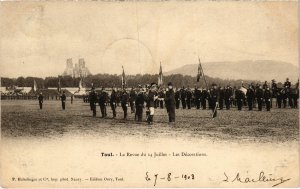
(79, 70)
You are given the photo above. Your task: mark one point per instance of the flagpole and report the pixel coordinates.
(203, 73)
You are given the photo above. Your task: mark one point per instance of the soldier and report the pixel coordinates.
(287, 83)
(197, 95)
(221, 99)
(161, 96)
(183, 97)
(177, 98)
(124, 101)
(132, 96)
(152, 96)
(296, 96)
(41, 100)
(250, 97)
(265, 85)
(239, 96)
(113, 102)
(204, 96)
(170, 102)
(227, 97)
(267, 97)
(102, 102)
(259, 97)
(139, 103)
(274, 92)
(93, 101)
(63, 100)
(214, 97)
(189, 96)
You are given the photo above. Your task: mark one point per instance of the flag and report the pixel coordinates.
(34, 86)
(59, 85)
(200, 71)
(160, 76)
(123, 78)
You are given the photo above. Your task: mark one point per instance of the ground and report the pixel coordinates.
(25, 119)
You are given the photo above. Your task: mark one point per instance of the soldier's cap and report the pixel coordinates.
(170, 84)
(287, 78)
(273, 80)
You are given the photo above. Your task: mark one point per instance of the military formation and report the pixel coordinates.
(144, 100)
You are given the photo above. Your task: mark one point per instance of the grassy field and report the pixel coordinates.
(24, 119)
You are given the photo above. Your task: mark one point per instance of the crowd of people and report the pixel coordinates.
(150, 97)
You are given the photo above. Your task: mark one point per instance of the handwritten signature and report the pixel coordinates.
(262, 177)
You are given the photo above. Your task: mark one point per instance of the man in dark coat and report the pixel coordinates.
(239, 96)
(102, 102)
(189, 96)
(197, 94)
(227, 97)
(274, 92)
(152, 96)
(139, 104)
(113, 102)
(214, 97)
(161, 96)
(221, 99)
(204, 97)
(41, 100)
(124, 101)
(170, 101)
(183, 97)
(267, 97)
(93, 101)
(250, 97)
(177, 98)
(132, 96)
(63, 100)
(259, 97)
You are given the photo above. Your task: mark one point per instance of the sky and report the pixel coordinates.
(37, 38)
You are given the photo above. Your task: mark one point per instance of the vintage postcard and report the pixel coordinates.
(149, 94)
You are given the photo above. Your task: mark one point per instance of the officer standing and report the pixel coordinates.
(227, 97)
(132, 96)
(221, 99)
(139, 103)
(259, 97)
(170, 101)
(204, 97)
(113, 102)
(124, 101)
(183, 97)
(214, 97)
(41, 100)
(250, 97)
(102, 102)
(267, 97)
(189, 96)
(63, 100)
(161, 95)
(274, 92)
(93, 101)
(197, 94)
(177, 98)
(239, 98)
(151, 99)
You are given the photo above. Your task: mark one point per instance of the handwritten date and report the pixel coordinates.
(168, 177)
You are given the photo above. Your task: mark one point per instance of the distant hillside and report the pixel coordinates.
(248, 70)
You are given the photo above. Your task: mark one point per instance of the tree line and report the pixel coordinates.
(109, 80)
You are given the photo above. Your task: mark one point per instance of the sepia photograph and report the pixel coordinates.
(149, 94)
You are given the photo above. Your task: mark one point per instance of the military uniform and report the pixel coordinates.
(177, 98)
(239, 96)
(124, 101)
(189, 97)
(197, 95)
(267, 97)
(183, 98)
(221, 99)
(113, 102)
(250, 97)
(204, 96)
(161, 95)
(151, 103)
(41, 100)
(93, 101)
(227, 97)
(102, 103)
(170, 101)
(259, 97)
(132, 96)
(63, 100)
(139, 105)
(214, 97)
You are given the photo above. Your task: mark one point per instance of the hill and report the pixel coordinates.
(247, 70)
